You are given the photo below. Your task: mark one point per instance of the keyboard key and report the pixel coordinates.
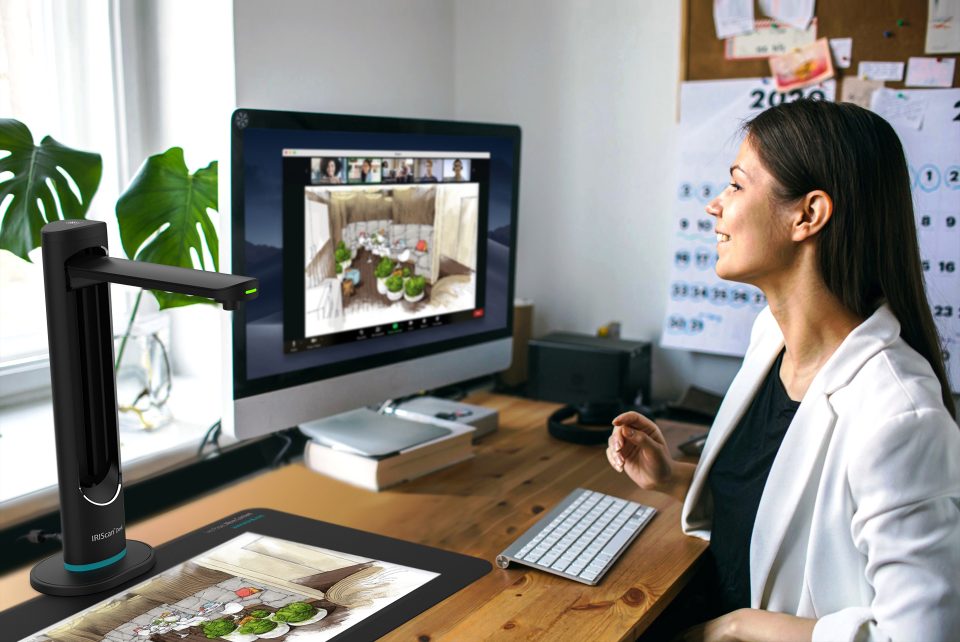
(617, 542)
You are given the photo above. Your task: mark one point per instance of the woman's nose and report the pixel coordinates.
(714, 208)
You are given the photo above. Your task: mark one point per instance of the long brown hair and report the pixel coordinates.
(868, 252)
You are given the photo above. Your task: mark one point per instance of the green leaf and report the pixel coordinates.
(32, 166)
(164, 192)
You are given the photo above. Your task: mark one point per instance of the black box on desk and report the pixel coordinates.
(579, 369)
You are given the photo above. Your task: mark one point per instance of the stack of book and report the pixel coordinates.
(379, 472)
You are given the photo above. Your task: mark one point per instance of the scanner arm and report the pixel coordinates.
(226, 289)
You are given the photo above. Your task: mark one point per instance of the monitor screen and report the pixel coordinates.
(375, 240)
(390, 245)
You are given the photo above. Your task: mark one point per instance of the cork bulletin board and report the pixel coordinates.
(866, 21)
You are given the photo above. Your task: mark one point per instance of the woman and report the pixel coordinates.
(829, 486)
(331, 175)
(366, 171)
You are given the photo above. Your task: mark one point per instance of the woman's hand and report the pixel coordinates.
(722, 629)
(751, 625)
(637, 447)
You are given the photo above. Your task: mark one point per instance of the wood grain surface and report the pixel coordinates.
(477, 507)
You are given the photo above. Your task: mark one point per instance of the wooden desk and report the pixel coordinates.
(477, 507)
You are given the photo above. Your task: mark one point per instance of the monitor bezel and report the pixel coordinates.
(243, 118)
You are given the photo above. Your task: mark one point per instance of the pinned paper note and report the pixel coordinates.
(859, 90)
(842, 49)
(943, 27)
(796, 13)
(802, 67)
(732, 17)
(886, 71)
(769, 39)
(899, 107)
(930, 72)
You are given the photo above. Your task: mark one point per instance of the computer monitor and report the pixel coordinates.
(385, 250)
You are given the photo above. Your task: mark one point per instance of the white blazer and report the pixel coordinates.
(859, 522)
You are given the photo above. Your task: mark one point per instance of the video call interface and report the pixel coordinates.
(391, 240)
(270, 242)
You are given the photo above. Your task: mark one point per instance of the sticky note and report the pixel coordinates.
(875, 70)
(842, 49)
(732, 17)
(767, 40)
(930, 72)
(858, 91)
(903, 107)
(943, 27)
(796, 13)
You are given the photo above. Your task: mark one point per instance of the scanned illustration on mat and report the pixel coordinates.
(252, 587)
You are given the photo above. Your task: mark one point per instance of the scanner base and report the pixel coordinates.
(49, 576)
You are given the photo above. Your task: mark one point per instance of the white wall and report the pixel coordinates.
(594, 92)
(358, 57)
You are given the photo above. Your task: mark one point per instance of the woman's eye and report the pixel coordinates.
(736, 188)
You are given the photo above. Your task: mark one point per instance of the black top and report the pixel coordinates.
(736, 481)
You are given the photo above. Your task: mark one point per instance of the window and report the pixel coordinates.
(125, 80)
(55, 77)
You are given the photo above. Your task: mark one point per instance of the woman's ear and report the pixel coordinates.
(816, 208)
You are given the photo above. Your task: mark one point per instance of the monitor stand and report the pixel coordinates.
(372, 433)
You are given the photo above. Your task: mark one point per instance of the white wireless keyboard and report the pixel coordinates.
(581, 537)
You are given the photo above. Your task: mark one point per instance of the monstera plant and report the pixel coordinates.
(162, 214)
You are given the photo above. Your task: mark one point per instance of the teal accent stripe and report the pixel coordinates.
(80, 568)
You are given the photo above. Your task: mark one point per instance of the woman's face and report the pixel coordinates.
(331, 168)
(753, 232)
(366, 166)
(457, 167)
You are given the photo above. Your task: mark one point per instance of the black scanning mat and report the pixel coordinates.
(258, 574)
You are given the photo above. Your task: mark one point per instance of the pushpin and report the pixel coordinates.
(901, 23)
(900, 94)
(887, 34)
(773, 25)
